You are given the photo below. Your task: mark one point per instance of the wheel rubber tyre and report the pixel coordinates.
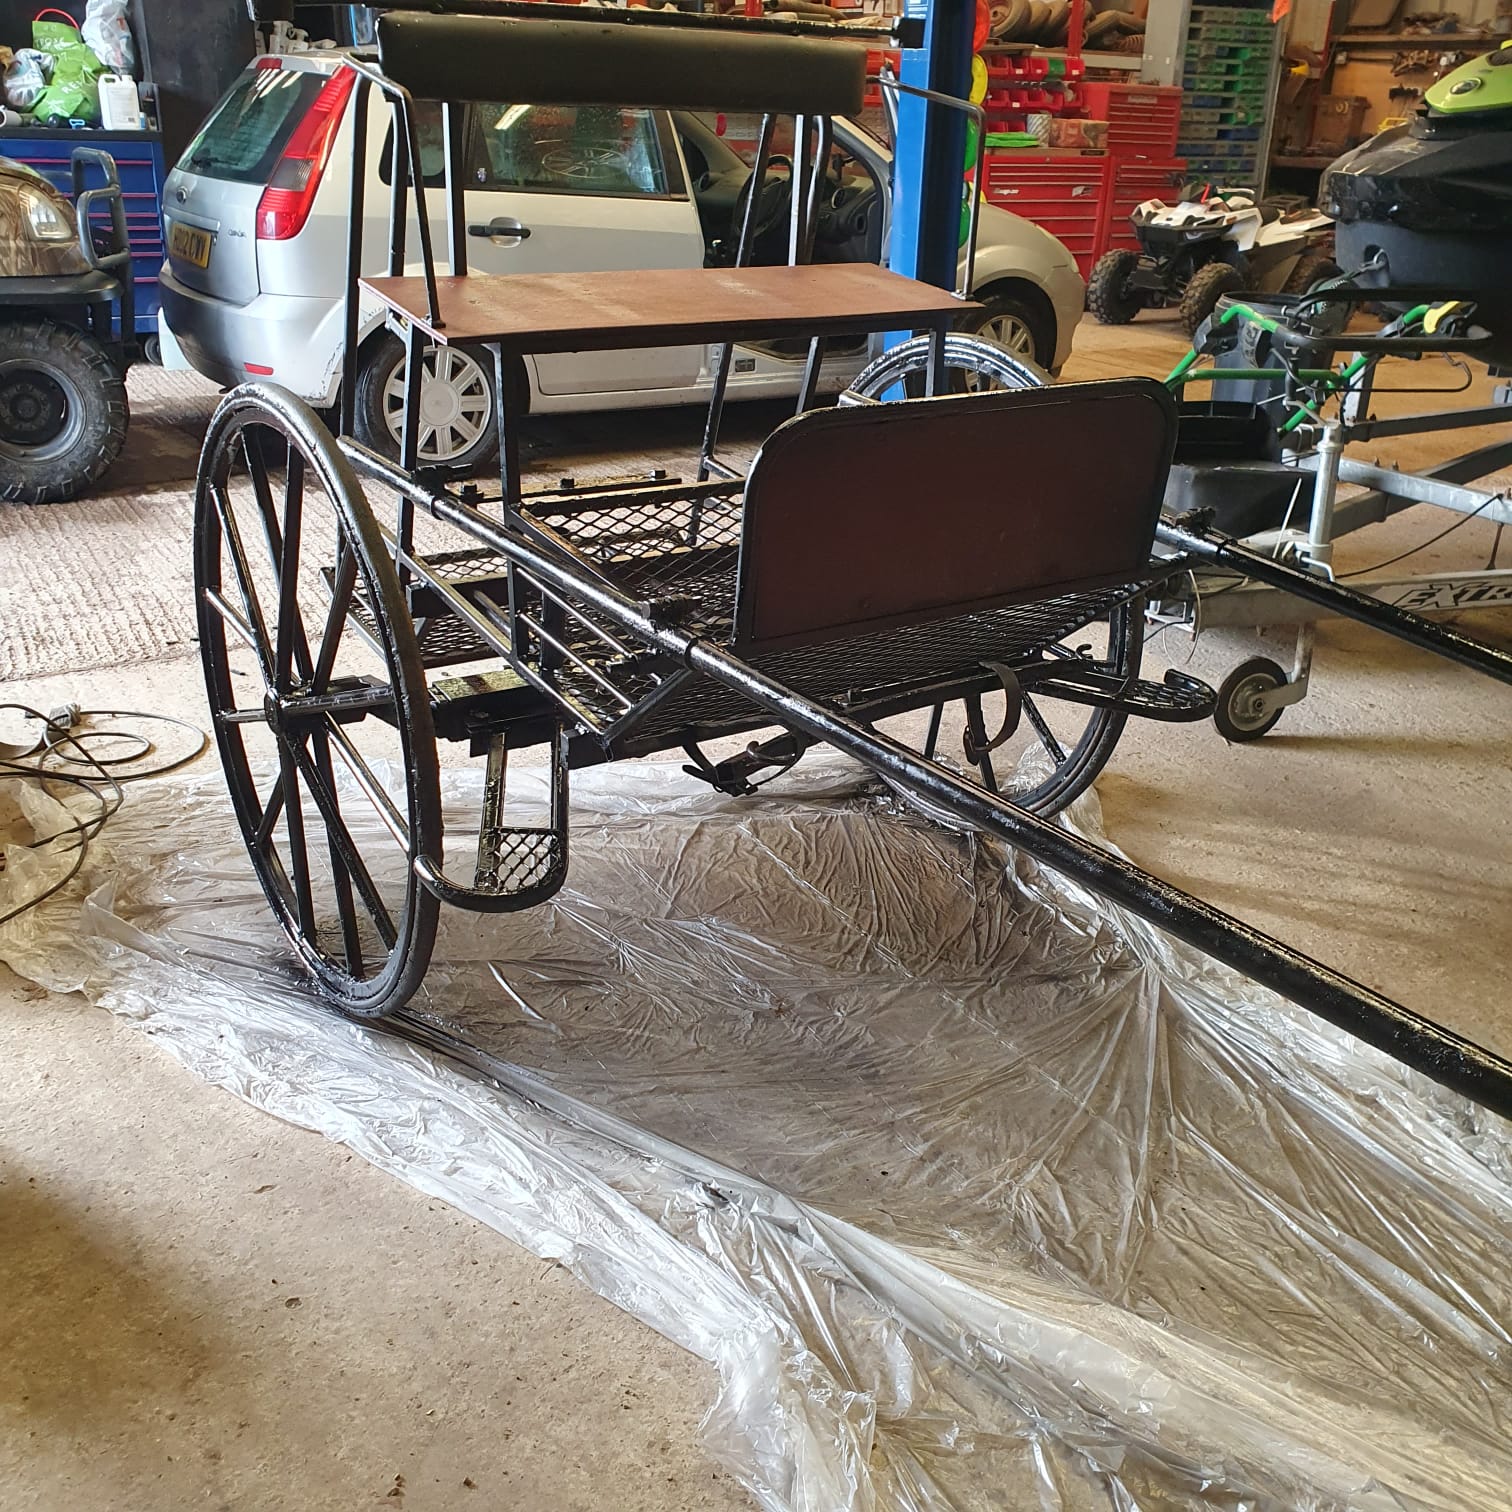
(1108, 294)
(1016, 325)
(1203, 291)
(457, 427)
(63, 411)
(1312, 268)
(312, 667)
(1236, 715)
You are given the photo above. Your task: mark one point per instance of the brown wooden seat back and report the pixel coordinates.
(583, 62)
(862, 518)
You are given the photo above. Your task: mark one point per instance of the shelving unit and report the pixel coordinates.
(1418, 39)
(1229, 75)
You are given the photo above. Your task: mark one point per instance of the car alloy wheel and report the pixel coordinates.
(1011, 333)
(456, 405)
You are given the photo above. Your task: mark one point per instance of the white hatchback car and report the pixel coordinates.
(256, 228)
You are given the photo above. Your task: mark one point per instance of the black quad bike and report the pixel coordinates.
(63, 356)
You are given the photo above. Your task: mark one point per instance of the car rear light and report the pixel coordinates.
(285, 204)
(259, 369)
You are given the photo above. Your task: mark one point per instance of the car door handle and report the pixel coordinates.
(502, 228)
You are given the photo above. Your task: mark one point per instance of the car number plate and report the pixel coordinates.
(190, 243)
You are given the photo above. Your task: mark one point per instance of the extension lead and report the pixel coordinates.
(65, 732)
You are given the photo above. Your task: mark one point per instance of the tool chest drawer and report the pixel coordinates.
(139, 166)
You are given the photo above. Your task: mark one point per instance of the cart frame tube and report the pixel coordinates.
(1376, 613)
(1438, 1053)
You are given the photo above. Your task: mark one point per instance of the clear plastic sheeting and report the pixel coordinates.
(977, 1193)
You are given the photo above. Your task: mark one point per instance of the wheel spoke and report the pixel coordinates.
(362, 774)
(270, 815)
(299, 859)
(262, 491)
(342, 588)
(290, 624)
(345, 857)
(231, 617)
(341, 877)
(244, 584)
(288, 579)
(1046, 735)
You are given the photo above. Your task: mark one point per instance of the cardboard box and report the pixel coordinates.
(1071, 133)
(1339, 122)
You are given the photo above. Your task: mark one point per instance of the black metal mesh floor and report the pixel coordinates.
(686, 552)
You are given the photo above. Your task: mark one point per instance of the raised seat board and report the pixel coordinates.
(596, 312)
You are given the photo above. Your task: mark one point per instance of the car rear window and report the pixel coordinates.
(245, 137)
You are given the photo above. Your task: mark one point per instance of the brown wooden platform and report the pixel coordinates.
(594, 312)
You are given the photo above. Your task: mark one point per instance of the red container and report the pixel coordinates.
(1132, 181)
(1144, 120)
(1065, 192)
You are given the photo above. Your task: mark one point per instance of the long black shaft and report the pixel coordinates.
(1350, 603)
(1437, 1052)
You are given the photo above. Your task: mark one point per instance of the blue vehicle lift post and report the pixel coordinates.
(930, 151)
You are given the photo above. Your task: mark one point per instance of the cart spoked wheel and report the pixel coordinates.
(971, 365)
(1057, 747)
(1241, 713)
(318, 699)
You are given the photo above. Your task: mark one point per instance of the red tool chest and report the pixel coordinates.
(1144, 120)
(1065, 192)
(1134, 180)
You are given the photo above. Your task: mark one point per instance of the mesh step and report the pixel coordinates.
(518, 866)
(517, 861)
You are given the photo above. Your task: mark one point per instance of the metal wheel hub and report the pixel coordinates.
(1250, 705)
(455, 404)
(439, 403)
(1009, 332)
(34, 407)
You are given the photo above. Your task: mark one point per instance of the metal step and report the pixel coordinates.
(518, 866)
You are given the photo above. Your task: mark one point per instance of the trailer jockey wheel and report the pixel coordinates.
(1242, 713)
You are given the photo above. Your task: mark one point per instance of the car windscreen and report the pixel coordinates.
(245, 137)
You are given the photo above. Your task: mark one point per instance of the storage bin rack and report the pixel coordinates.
(139, 164)
(1229, 77)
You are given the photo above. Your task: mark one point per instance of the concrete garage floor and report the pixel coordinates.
(200, 1306)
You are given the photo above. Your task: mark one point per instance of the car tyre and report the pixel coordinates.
(63, 411)
(1016, 325)
(1312, 268)
(464, 436)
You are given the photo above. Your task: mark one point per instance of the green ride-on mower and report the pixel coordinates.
(67, 330)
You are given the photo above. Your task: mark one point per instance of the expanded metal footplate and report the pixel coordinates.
(684, 550)
(521, 861)
(683, 554)
(866, 670)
